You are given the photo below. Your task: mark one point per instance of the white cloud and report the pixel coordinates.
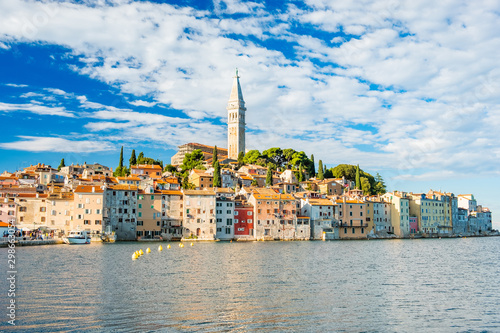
(38, 109)
(143, 103)
(54, 144)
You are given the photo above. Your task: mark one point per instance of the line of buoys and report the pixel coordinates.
(160, 248)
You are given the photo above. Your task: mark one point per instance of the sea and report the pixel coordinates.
(418, 285)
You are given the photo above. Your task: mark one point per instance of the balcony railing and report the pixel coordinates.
(348, 225)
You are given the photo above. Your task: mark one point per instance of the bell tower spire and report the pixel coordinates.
(236, 120)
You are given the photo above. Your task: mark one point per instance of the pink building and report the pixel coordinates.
(413, 224)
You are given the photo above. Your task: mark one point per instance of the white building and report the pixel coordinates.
(225, 216)
(199, 214)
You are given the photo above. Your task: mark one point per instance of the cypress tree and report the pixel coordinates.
(217, 176)
(269, 176)
(61, 165)
(313, 168)
(320, 170)
(358, 181)
(133, 159)
(215, 158)
(120, 164)
(301, 174)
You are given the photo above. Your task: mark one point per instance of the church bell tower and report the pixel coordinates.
(235, 120)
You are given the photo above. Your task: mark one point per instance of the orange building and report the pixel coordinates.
(351, 215)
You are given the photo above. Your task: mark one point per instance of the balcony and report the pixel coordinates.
(354, 225)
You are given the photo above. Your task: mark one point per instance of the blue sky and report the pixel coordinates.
(408, 89)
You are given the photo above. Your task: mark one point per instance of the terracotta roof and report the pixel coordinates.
(123, 187)
(320, 202)
(170, 192)
(3, 224)
(146, 166)
(339, 201)
(88, 189)
(273, 196)
(199, 192)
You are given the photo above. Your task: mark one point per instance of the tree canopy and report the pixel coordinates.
(61, 165)
(376, 186)
(193, 160)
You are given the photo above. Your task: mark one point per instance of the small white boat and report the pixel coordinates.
(77, 237)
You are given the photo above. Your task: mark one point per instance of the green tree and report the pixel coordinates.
(120, 171)
(365, 186)
(140, 158)
(215, 158)
(379, 185)
(312, 170)
(193, 160)
(217, 180)
(241, 159)
(274, 156)
(254, 182)
(269, 176)
(170, 168)
(320, 175)
(301, 174)
(61, 165)
(358, 182)
(252, 156)
(328, 173)
(133, 159)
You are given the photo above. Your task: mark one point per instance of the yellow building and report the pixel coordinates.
(400, 212)
(351, 215)
(60, 212)
(88, 209)
(149, 210)
(200, 179)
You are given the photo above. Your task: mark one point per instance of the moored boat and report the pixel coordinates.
(77, 237)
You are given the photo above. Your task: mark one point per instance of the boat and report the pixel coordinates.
(77, 237)
(108, 236)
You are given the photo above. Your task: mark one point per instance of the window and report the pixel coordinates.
(228, 231)
(86, 222)
(219, 229)
(228, 211)
(249, 213)
(152, 198)
(140, 214)
(43, 209)
(248, 221)
(157, 223)
(350, 213)
(87, 211)
(140, 205)
(229, 222)
(140, 222)
(53, 212)
(98, 211)
(353, 230)
(79, 216)
(235, 212)
(98, 222)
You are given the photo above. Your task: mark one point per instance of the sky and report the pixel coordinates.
(409, 89)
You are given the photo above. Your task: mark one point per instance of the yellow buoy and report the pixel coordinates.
(134, 256)
(160, 248)
(191, 244)
(141, 252)
(168, 246)
(148, 250)
(180, 244)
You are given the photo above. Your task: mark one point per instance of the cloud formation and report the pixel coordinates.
(416, 82)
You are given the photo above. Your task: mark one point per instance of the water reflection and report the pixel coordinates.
(408, 285)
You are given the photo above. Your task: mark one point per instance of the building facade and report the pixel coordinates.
(236, 120)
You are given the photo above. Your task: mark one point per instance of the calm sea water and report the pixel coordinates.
(431, 285)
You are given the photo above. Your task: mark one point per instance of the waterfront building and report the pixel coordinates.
(31, 211)
(8, 210)
(461, 224)
(199, 214)
(448, 205)
(467, 201)
(61, 213)
(380, 215)
(88, 210)
(172, 214)
(413, 225)
(400, 213)
(149, 211)
(235, 120)
(225, 215)
(243, 219)
(430, 212)
(351, 215)
(321, 214)
(120, 205)
(275, 215)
